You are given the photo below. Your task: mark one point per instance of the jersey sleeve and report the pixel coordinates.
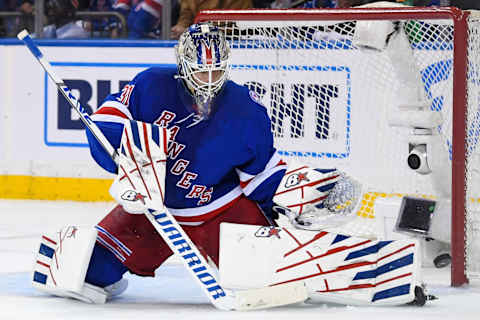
(261, 175)
(109, 118)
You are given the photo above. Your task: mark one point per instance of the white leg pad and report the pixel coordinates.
(335, 268)
(62, 262)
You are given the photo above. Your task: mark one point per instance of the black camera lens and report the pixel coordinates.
(414, 161)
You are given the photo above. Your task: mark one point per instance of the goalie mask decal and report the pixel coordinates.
(295, 179)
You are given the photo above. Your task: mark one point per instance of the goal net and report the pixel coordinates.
(389, 95)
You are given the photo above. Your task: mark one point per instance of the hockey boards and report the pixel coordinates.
(336, 268)
(169, 229)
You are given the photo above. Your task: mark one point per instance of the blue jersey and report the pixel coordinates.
(211, 162)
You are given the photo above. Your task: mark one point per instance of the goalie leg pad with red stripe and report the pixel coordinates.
(61, 265)
(335, 268)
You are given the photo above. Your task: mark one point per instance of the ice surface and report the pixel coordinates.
(172, 294)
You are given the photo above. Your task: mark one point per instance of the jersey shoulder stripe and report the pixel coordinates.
(249, 182)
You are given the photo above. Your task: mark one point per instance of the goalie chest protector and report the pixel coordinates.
(203, 153)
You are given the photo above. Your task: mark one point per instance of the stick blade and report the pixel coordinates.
(270, 297)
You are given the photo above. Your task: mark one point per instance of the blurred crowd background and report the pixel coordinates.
(146, 19)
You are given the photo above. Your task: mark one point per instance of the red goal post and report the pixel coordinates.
(444, 49)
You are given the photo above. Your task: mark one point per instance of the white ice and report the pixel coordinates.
(172, 294)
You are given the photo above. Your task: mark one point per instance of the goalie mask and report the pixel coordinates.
(202, 59)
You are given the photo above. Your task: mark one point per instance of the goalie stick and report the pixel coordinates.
(172, 233)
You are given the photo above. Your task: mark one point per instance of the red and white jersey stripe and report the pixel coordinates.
(112, 111)
(249, 182)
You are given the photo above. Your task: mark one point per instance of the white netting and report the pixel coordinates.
(333, 94)
(473, 151)
(330, 101)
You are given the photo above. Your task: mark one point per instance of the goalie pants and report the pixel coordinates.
(134, 242)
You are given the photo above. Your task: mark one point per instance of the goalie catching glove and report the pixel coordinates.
(140, 183)
(315, 199)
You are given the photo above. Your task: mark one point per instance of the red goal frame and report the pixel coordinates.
(459, 18)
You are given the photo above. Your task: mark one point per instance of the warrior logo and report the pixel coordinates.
(295, 179)
(267, 232)
(133, 196)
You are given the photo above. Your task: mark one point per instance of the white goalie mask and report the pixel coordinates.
(202, 60)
